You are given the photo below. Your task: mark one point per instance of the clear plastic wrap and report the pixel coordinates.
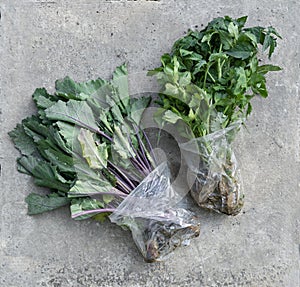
(212, 171)
(151, 212)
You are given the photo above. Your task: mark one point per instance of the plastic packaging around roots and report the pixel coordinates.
(151, 212)
(213, 175)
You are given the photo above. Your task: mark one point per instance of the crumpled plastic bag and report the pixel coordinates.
(213, 175)
(151, 212)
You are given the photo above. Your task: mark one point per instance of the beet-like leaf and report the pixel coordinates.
(42, 203)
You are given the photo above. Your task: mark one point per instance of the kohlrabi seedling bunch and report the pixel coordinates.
(86, 145)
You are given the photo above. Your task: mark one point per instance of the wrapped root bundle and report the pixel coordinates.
(213, 174)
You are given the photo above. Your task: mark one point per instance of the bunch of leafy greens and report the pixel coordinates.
(210, 77)
(85, 145)
(208, 81)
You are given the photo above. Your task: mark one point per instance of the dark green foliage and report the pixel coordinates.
(222, 62)
(68, 146)
(42, 203)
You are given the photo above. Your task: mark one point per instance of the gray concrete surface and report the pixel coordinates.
(45, 40)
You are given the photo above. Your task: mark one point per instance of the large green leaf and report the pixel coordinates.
(57, 138)
(90, 187)
(95, 155)
(69, 132)
(240, 51)
(81, 205)
(42, 203)
(241, 81)
(75, 112)
(42, 99)
(120, 81)
(22, 141)
(69, 89)
(34, 128)
(137, 108)
(61, 160)
(121, 143)
(44, 174)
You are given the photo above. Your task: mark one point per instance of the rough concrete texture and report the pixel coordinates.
(42, 41)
